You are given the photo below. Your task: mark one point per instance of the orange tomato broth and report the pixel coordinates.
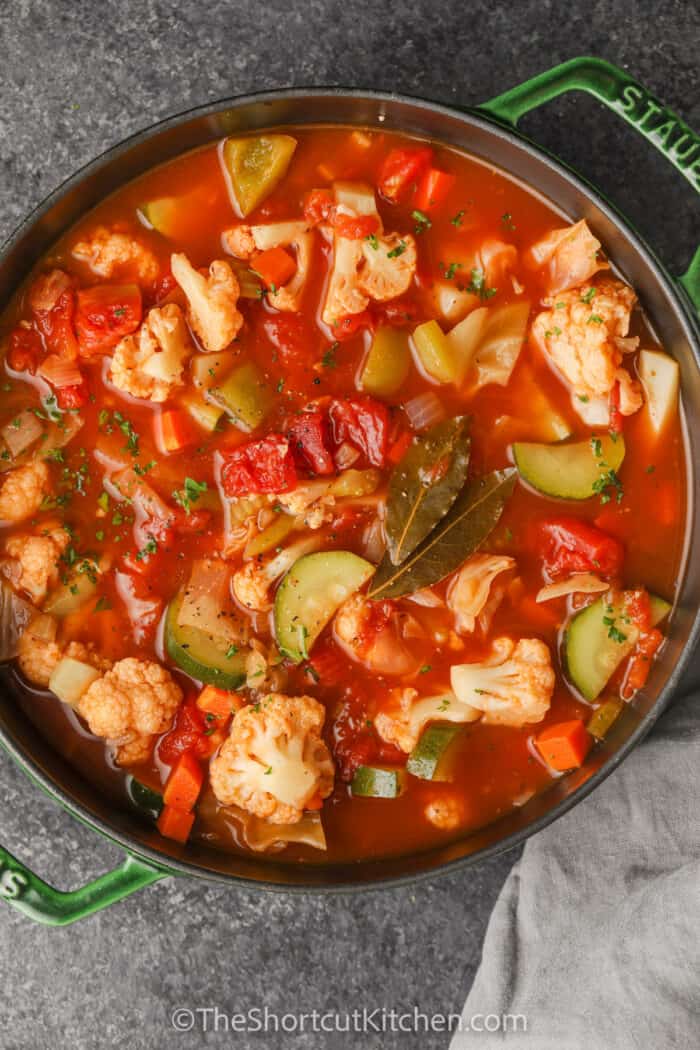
(496, 767)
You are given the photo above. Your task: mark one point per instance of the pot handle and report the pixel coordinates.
(624, 96)
(25, 891)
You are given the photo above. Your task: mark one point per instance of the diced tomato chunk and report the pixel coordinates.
(569, 545)
(400, 168)
(309, 434)
(432, 189)
(105, 314)
(264, 466)
(25, 350)
(188, 734)
(364, 423)
(346, 327)
(69, 397)
(355, 227)
(318, 206)
(52, 300)
(398, 313)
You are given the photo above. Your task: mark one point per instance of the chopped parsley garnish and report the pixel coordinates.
(421, 220)
(456, 220)
(120, 311)
(328, 360)
(400, 248)
(607, 486)
(373, 242)
(477, 285)
(426, 668)
(280, 386)
(552, 331)
(231, 651)
(55, 454)
(102, 604)
(507, 220)
(595, 319)
(444, 704)
(584, 398)
(189, 494)
(145, 552)
(99, 535)
(451, 270)
(51, 408)
(132, 438)
(650, 469)
(588, 296)
(103, 417)
(141, 471)
(614, 633)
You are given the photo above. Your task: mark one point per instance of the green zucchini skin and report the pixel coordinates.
(197, 654)
(430, 757)
(568, 471)
(377, 782)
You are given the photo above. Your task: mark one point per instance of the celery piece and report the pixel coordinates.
(205, 415)
(603, 718)
(71, 678)
(271, 537)
(387, 363)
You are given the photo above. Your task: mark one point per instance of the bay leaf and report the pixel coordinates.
(425, 484)
(461, 532)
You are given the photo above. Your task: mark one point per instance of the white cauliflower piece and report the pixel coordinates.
(445, 812)
(469, 591)
(212, 301)
(312, 502)
(23, 490)
(129, 705)
(34, 566)
(252, 583)
(513, 687)
(150, 363)
(108, 251)
(378, 635)
(246, 241)
(39, 651)
(403, 718)
(571, 256)
(379, 269)
(584, 335)
(274, 762)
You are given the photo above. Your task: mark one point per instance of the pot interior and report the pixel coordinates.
(473, 134)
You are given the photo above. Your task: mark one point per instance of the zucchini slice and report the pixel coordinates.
(598, 639)
(244, 395)
(604, 717)
(309, 595)
(430, 758)
(201, 655)
(569, 471)
(377, 782)
(146, 800)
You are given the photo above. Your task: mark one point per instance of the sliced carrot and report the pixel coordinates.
(565, 745)
(174, 430)
(218, 702)
(275, 267)
(184, 783)
(174, 824)
(432, 189)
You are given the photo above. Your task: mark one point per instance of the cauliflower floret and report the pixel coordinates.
(389, 267)
(150, 363)
(402, 719)
(213, 313)
(380, 269)
(312, 502)
(571, 256)
(274, 762)
(469, 591)
(251, 584)
(378, 635)
(109, 251)
(34, 567)
(513, 687)
(445, 812)
(584, 335)
(130, 704)
(245, 241)
(23, 491)
(39, 652)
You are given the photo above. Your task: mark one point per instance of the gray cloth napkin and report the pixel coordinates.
(596, 935)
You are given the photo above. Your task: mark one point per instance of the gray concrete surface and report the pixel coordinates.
(77, 77)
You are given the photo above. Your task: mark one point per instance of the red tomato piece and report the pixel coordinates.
(187, 735)
(346, 327)
(77, 396)
(318, 206)
(569, 545)
(400, 168)
(355, 227)
(432, 189)
(292, 336)
(364, 423)
(310, 437)
(260, 466)
(398, 313)
(25, 350)
(105, 314)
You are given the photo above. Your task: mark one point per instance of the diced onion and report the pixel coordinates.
(427, 598)
(424, 410)
(346, 456)
(373, 542)
(21, 432)
(579, 583)
(60, 372)
(15, 614)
